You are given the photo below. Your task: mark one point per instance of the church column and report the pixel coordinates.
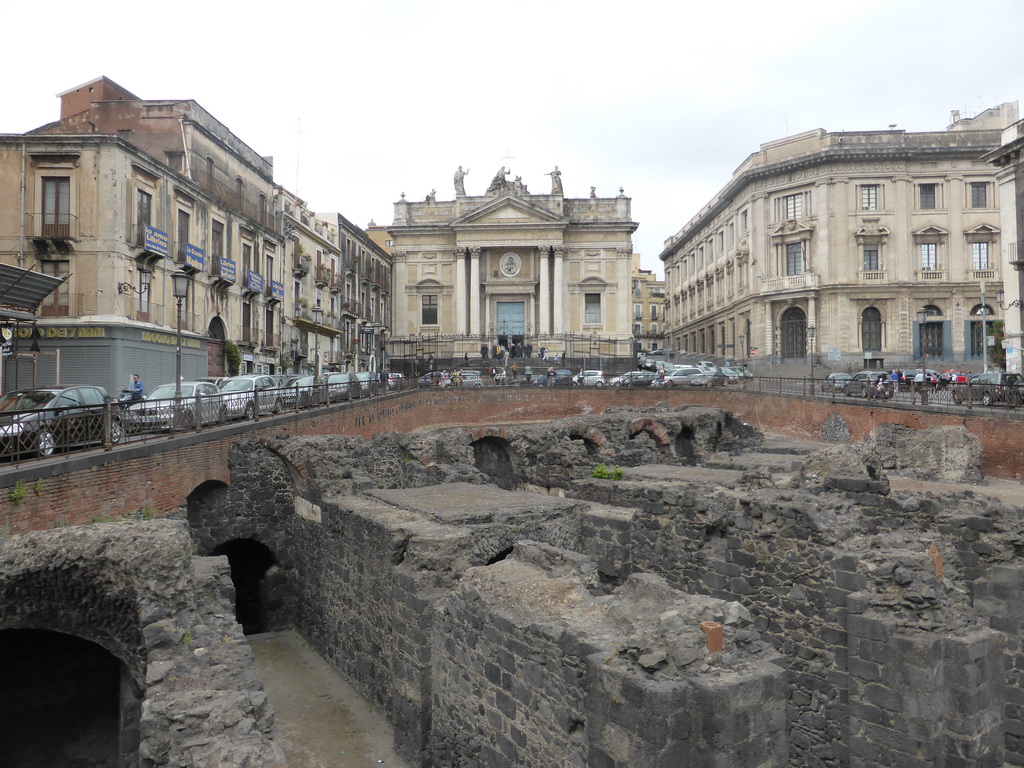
(460, 290)
(624, 299)
(559, 290)
(400, 321)
(544, 294)
(475, 326)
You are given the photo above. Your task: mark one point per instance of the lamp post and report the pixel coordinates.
(318, 315)
(922, 318)
(179, 287)
(810, 335)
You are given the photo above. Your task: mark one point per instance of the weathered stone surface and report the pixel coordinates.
(946, 454)
(135, 589)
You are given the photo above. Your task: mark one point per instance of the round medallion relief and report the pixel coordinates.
(511, 264)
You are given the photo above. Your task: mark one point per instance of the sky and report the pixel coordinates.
(360, 102)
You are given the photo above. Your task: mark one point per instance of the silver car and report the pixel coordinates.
(243, 395)
(159, 410)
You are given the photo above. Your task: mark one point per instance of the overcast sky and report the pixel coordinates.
(359, 102)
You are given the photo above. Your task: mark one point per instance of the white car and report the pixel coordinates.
(589, 379)
(242, 395)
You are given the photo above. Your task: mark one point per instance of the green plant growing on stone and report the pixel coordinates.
(18, 494)
(602, 472)
(187, 637)
(37, 486)
(147, 513)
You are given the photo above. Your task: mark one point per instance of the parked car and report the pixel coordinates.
(434, 379)
(835, 382)
(956, 377)
(340, 386)
(865, 384)
(589, 379)
(242, 396)
(991, 388)
(634, 379)
(562, 377)
(303, 392)
(470, 378)
(397, 380)
(45, 420)
(366, 381)
(200, 403)
(680, 376)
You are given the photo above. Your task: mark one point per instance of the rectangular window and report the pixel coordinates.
(246, 261)
(184, 219)
(794, 258)
(638, 311)
(56, 207)
(216, 242)
(794, 205)
(743, 221)
(870, 259)
(592, 308)
(57, 303)
(927, 193)
(429, 313)
(654, 311)
(143, 215)
(929, 256)
(979, 256)
(979, 194)
(869, 197)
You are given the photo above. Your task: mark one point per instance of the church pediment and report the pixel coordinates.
(505, 211)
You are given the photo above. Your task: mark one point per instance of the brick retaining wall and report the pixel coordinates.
(158, 475)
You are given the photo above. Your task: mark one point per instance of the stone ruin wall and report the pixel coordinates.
(878, 659)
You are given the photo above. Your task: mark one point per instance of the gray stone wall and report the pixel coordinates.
(532, 668)
(190, 694)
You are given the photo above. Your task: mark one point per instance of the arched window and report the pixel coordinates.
(871, 330)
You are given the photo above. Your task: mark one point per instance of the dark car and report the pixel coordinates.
(561, 377)
(45, 420)
(865, 384)
(991, 388)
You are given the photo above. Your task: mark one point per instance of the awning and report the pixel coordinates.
(22, 291)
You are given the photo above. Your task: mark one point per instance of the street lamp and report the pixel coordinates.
(318, 315)
(810, 335)
(144, 278)
(179, 287)
(999, 300)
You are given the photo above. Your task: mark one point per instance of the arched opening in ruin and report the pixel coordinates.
(493, 457)
(589, 445)
(249, 560)
(62, 702)
(685, 449)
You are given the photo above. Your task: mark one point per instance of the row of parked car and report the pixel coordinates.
(989, 388)
(46, 420)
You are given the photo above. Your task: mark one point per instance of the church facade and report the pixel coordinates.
(512, 269)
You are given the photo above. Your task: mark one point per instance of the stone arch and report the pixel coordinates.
(492, 455)
(250, 561)
(62, 700)
(685, 446)
(258, 506)
(592, 438)
(658, 431)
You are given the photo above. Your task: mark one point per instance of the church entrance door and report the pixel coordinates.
(511, 317)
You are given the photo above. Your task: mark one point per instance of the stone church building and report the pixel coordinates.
(509, 267)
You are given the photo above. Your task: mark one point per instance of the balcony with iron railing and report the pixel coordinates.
(322, 278)
(250, 336)
(301, 264)
(51, 226)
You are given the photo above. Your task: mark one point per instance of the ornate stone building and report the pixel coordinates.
(512, 268)
(873, 248)
(117, 195)
(1010, 180)
(648, 308)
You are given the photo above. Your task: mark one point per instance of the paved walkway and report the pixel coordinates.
(320, 720)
